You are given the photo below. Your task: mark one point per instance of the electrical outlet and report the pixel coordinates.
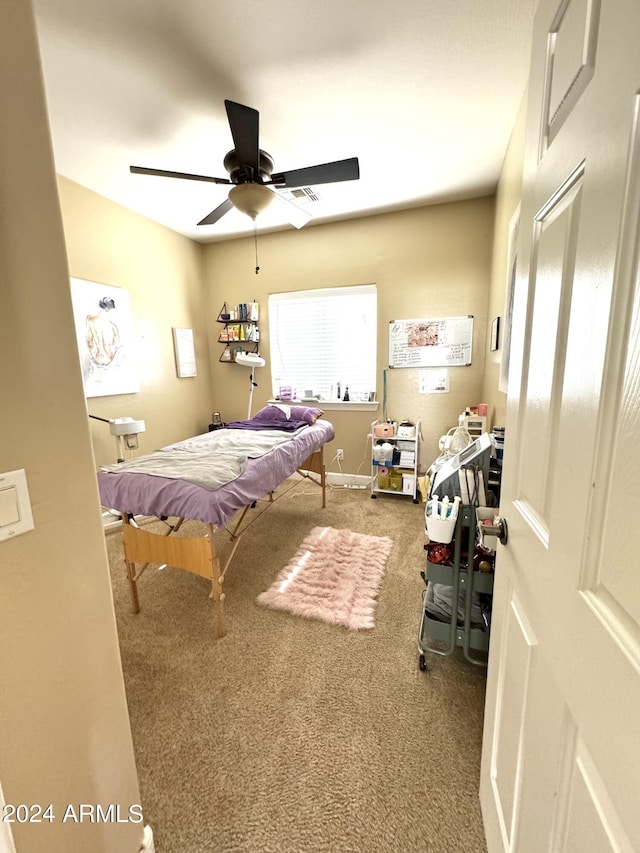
(339, 454)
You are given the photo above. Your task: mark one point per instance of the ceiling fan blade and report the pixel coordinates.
(327, 173)
(244, 123)
(216, 214)
(297, 216)
(163, 173)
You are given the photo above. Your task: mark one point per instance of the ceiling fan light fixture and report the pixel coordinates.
(251, 199)
(251, 170)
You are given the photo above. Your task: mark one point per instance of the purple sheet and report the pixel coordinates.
(284, 426)
(143, 494)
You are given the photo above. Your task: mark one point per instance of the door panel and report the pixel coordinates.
(552, 272)
(561, 750)
(571, 44)
(506, 771)
(588, 817)
(609, 574)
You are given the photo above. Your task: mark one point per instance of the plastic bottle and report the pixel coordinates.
(460, 438)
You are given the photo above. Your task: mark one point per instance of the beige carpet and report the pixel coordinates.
(293, 735)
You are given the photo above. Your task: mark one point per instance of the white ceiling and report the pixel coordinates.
(423, 92)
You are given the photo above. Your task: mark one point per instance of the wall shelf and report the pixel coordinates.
(240, 330)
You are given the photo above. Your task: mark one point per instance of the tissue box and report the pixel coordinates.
(408, 484)
(383, 430)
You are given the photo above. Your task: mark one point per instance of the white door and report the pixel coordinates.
(561, 751)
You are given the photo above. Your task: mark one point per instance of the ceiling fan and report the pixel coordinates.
(251, 170)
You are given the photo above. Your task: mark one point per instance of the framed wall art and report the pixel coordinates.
(495, 334)
(185, 353)
(512, 262)
(102, 316)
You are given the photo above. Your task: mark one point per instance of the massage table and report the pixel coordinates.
(133, 493)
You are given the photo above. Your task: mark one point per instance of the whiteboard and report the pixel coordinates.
(434, 342)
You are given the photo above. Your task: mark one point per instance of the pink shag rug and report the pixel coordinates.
(334, 576)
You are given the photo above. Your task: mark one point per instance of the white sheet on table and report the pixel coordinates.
(200, 468)
(210, 461)
(244, 442)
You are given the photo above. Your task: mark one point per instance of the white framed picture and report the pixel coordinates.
(185, 352)
(512, 261)
(102, 316)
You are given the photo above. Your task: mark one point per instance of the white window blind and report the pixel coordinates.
(320, 339)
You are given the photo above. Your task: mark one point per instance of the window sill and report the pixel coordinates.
(333, 405)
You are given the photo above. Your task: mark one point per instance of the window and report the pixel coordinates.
(322, 339)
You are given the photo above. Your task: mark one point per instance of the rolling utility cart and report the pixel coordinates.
(468, 623)
(395, 458)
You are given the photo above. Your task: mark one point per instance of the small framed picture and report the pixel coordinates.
(495, 334)
(184, 352)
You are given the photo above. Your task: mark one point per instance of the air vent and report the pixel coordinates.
(300, 195)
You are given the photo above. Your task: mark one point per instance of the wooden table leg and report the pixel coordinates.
(216, 586)
(131, 572)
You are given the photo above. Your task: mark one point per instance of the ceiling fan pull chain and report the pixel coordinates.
(255, 238)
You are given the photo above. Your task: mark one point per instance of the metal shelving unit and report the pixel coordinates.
(398, 478)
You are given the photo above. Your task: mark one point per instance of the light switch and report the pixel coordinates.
(15, 505)
(9, 512)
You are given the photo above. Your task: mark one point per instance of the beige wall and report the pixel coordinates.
(430, 261)
(64, 727)
(162, 272)
(507, 201)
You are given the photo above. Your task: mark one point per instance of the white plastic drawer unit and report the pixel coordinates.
(475, 425)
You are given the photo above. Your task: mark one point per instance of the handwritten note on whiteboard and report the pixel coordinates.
(436, 342)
